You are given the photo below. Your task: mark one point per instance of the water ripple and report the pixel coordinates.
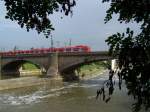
(30, 98)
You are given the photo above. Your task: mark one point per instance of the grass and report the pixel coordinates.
(29, 66)
(92, 69)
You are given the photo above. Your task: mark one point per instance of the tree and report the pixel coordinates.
(33, 14)
(133, 51)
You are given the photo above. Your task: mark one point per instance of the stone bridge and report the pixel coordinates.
(51, 63)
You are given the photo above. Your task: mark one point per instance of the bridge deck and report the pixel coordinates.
(59, 54)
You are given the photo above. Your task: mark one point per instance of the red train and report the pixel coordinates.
(79, 48)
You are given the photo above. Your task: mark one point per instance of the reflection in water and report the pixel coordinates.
(70, 97)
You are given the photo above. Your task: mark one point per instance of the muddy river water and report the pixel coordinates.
(69, 97)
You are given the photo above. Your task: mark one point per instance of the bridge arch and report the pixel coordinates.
(69, 69)
(53, 63)
(79, 63)
(12, 68)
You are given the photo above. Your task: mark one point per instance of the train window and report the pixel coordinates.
(42, 51)
(68, 49)
(54, 49)
(76, 49)
(61, 49)
(31, 51)
(36, 51)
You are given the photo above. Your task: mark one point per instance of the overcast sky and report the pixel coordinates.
(86, 26)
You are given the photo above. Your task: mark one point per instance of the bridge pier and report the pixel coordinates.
(70, 75)
(53, 65)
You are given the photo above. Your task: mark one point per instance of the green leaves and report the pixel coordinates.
(34, 14)
(129, 10)
(119, 41)
(132, 51)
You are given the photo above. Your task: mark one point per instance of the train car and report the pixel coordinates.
(79, 48)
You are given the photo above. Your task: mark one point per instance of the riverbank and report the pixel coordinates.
(28, 81)
(37, 81)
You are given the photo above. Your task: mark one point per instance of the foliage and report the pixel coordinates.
(34, 14)
(92, 68)
(29, 66)
(133, 51)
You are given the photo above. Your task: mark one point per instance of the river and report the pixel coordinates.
(69, 97)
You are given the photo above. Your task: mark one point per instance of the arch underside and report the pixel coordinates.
(12, 68)
(68, 72)
(75, 65)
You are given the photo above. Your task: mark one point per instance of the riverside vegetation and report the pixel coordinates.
(83, 72)
(92, 69)
(29, 69)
